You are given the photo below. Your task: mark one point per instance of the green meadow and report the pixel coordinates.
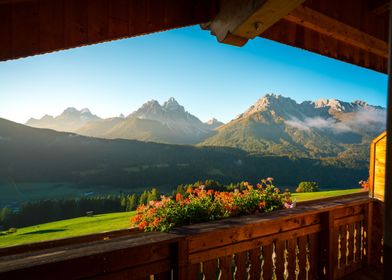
(108, 222)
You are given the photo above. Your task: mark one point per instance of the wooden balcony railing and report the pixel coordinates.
(326, 239)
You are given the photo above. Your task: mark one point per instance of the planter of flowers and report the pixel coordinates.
(199, 205)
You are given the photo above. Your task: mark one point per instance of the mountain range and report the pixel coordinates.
(326, 128)
(166, 123)
(274, 125)
(38, 163)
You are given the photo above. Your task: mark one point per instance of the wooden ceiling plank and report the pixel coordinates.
(239, 21)
(323, 24)
(6, 31)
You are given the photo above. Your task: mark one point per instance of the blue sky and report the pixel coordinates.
(208, 78)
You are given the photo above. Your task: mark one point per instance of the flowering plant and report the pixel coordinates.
(364, 184)
(201, 205)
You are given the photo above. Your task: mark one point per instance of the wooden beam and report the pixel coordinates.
(239, 21)
(338, 30)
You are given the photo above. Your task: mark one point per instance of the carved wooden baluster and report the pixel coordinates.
(291, 248)
(356, 243)
(339, 250)
(362, 241)
(297, 268)
(314, 255)
(365, 241)
(343, 249)
(210, 269)
(302, 241)
(307, 265)
(286, 261)
(267, 261)
(350, 245)
(255, 264)
(225, 268)
(241, 262)
(280, 247)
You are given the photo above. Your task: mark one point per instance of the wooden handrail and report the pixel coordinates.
(43, 245)
(328, 239)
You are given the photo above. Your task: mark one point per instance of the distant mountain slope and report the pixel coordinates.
(42, 155)
(276, 125)
(70, 120)
(167, 123)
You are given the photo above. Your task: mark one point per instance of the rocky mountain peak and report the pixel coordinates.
(270, 102)
(85, 111)
(70, 110)
(214, 123)
(334, 104)
(173, 105)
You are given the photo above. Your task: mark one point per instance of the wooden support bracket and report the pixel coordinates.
(239, 21)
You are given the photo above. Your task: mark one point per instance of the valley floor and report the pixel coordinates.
(108, 222)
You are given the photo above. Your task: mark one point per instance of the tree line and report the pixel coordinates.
(44, 211)
(32, 213)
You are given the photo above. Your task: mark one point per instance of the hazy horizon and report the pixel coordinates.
(209, 79)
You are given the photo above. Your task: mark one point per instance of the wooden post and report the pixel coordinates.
(182, 259)
(388, 173)
(326, 265)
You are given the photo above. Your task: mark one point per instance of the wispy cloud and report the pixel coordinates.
(358, 121)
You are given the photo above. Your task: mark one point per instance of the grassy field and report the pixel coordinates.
(67, 228)
(108, 222)
(324, 194)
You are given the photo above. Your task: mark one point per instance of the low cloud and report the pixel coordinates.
(375, 119)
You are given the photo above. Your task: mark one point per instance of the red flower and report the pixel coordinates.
(156, 222)
(142, 225)
(178, 197)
